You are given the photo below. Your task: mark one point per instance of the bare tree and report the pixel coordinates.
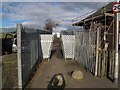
(49, 24)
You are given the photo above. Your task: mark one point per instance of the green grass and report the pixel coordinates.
(2, 35)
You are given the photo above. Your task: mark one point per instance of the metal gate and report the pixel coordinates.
(68, 44)
(85, 49)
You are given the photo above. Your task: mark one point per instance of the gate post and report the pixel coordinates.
(97, 52)
(19, 28)
(116, 49)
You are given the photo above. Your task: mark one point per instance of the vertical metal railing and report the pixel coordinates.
(89, 52)
(85, 49)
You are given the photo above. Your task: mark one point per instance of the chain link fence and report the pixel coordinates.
(30, 52)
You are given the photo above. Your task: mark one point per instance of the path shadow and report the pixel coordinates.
(52, 53)
(56, 49)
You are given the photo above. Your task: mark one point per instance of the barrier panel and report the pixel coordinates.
(68, 44)
(46, 43)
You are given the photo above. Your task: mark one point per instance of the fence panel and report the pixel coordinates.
(46, 43)
(85, 49)
(30, 52)
(68, 44)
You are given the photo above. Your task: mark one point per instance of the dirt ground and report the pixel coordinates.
(57, 64)
(9, 71)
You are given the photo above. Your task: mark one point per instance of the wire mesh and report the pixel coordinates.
(85, 49)
(30, 52)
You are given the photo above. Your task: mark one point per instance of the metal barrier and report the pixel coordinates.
(85, 49)
(68, 44)
(46, 43)
(30, 52)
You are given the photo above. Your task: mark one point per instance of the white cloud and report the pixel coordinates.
(37, 13)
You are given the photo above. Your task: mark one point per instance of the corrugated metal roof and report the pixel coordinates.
(97, 14)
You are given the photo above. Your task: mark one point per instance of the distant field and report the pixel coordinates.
(2, 35)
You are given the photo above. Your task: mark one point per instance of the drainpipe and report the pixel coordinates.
(116, 49)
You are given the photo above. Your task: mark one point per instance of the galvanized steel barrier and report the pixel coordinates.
(46, 43)
(85, 49)
(30, 52)
(68, 46)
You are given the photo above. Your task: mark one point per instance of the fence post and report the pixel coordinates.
(1, 64)
(19, 27)
(116, 49)
(97, 52)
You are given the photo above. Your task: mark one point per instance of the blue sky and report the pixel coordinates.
(36, 13)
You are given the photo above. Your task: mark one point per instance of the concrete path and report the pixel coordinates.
(48, 69)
